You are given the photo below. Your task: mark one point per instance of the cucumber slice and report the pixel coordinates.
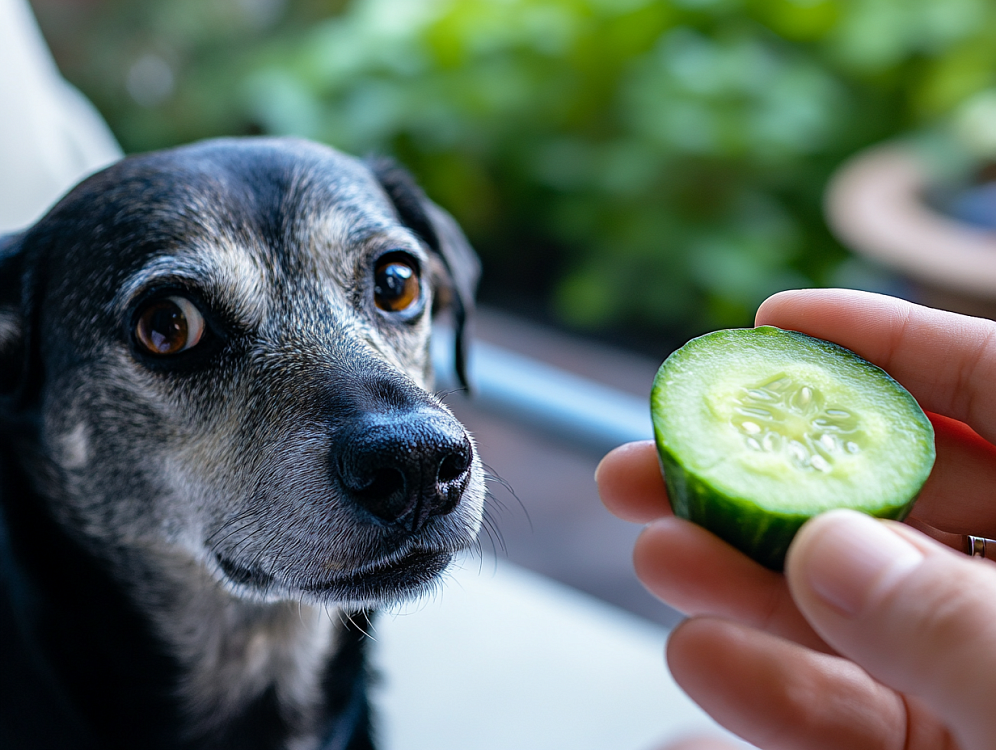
(760, 429)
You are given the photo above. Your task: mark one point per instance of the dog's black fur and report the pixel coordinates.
(191, 543)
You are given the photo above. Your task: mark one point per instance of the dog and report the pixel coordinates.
(219, 446)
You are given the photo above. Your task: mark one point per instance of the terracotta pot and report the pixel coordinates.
(875, 206)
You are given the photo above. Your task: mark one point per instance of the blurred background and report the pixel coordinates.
(632, 172)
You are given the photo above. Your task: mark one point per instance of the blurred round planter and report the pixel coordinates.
(896, 206)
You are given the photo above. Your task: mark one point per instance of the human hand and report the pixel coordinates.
(877, 636)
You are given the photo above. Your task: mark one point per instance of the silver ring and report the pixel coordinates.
(976, 545)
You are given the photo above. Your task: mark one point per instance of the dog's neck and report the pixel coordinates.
(231, 651)
(189, 666)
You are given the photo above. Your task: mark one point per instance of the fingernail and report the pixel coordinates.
(852, 557)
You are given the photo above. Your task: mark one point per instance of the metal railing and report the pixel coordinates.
(573, 407)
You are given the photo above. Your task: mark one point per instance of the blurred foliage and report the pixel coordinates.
(647, 165)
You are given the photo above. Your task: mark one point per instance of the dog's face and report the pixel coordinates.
(220, 354)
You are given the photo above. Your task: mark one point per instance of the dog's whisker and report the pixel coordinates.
(264, 550)
(248, 515)
(248, 539)
(492, 477)
(353, 622)
(214, 543)
(278, 554)
(494, 534)
(300, 609)
(442, 395)
(495, 508)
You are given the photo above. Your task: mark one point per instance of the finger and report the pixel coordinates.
(918, 617)
(630, 483)
(947, 361)
(699, 574)
(779, 695)
(958, 497)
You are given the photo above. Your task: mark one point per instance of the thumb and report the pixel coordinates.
(916, 616)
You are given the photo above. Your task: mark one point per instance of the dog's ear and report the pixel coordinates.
(461, 268)
(13, 325)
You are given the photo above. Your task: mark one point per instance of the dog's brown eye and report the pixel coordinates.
(169, 326)
(396, 285)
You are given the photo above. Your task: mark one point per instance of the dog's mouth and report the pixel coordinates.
(383, 581)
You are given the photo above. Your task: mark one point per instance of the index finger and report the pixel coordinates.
(946, 360)
(630, 483)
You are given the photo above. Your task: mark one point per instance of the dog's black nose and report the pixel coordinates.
(405, 469)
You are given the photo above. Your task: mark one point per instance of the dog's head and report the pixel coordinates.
(220, 354)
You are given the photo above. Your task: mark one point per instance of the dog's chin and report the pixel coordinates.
(382, 583)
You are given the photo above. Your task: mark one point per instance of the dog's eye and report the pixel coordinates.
(396, 285)
(169, 326)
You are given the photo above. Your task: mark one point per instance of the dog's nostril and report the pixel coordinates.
(453, 466)
(384, 482)
(385, 493)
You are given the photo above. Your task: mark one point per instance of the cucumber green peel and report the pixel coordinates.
(760, 429)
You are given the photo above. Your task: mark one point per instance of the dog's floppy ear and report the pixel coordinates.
(13, 325)
(445, 238)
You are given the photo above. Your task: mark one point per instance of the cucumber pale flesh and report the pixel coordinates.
(760, 429)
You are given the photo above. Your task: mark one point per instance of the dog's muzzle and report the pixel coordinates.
(402, 470)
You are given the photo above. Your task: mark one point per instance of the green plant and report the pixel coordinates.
(655, 165)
